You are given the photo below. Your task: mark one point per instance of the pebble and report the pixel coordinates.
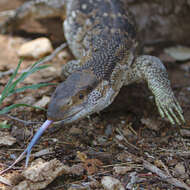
(109, 130)
(6, 139)
(122, 169)
(43, 102)
(185, 132)
(179, 53)
(75, 131)
(151, 123)
(110, 183)
(64, 55)
(35, 49)
(40, 174)
(102, 139)
(119, 137)
(180, 169)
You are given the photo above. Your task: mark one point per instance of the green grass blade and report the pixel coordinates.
(13, 81)
(32, 87)
(24, 75)
(6, 89)
(8, 108)
(4, 125)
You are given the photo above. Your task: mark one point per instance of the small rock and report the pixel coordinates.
(5, 181)
(43, 102)
(188, 182)
(110, 183)
(77, 169)
(185, 67)
(179, 53)
(75, 131)
(35, 49)
(180, 169)
(119, 137)
(121, 170)
(64, 55)
(151, 124)
(185, 132)
(20, 134)
(172, 162)
(127, 132)
(49, 72)
(6, 139)
(43, 152)
(109, 130)
(102, 139)
(40, 174)
(26, 100)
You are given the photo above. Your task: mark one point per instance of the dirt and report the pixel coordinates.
(125, 134)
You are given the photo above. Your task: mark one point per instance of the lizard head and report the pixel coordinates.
(80, 95)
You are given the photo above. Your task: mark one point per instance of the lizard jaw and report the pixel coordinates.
(67, 114)
(89, 109)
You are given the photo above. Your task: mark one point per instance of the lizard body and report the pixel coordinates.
(102, 36)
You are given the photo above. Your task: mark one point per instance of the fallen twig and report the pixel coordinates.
(126, 141)
(164, 176)
(175, 152)
(5, 181)
(20, 120)
(22, 156)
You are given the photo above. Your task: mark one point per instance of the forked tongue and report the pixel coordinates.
(35, 138)
(28, 150)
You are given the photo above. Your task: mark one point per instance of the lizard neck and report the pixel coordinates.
(109, 58)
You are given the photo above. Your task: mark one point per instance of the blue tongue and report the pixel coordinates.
(35, 138)
(28, 150)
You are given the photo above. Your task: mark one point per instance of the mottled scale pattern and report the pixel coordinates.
(102, 31)
(102, 36)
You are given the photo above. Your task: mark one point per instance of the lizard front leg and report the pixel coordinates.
(152, 70)
(33, 9)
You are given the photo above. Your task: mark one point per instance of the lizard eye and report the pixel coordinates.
(81, 96)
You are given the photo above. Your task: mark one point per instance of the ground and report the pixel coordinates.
(125, 134)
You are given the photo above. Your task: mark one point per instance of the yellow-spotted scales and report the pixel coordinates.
(102, 36)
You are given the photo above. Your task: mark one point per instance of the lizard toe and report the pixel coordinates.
(172, 110)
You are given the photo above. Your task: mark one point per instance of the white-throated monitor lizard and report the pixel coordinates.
(102, 36)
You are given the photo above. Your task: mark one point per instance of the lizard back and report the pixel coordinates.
(101, 33)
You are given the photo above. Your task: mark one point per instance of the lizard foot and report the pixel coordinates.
(170, 108)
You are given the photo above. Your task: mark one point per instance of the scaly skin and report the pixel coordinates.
(102, 36)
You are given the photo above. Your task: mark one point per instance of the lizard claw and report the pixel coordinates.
(170, 108)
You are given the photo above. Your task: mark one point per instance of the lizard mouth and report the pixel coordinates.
(66, 115)
(72, 112)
